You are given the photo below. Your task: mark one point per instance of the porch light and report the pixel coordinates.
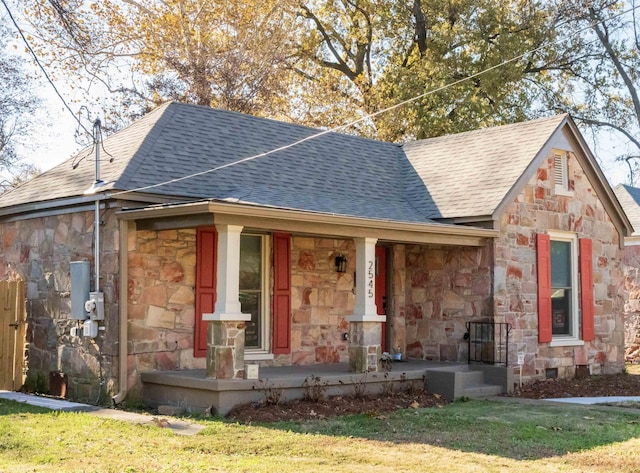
(341, 264)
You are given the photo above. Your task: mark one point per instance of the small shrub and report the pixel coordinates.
(36, 383)
(360, 386)
(272, 395)
(315, 389)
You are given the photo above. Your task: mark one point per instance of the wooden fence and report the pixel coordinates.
(12, 334)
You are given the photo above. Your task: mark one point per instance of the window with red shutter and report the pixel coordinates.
(564, 265)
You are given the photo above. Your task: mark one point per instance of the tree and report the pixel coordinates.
(376, 53)
(17, 105)
(597, 78)
(218, 53)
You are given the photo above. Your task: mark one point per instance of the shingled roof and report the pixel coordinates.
(334, 173)
(462, 175)
(629, 198)
(469, 174)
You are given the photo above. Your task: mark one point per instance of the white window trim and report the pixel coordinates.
(264, 352)
(576, 311)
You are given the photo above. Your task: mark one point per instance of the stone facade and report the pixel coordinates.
(39, 250)
(161, 302)
(437, 290)
(434, 291)
(631, 268)
(321, 298)
(539, 209)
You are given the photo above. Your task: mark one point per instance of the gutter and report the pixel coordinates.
(256, 211)
(123, 341)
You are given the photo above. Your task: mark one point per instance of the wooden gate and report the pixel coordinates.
(12, 334)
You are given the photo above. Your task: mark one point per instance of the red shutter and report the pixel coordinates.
(544, 288)
(281, 293)
(206, 249)
(586, 289)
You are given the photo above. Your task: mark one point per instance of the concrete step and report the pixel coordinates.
(458, 383)
(481, 391)
(470, 378)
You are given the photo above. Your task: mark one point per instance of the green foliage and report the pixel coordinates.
(36, 382)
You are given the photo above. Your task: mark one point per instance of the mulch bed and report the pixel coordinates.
(335, 406)
(592, 386)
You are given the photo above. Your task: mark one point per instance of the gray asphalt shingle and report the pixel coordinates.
(468, 174)
(458, 175)
(629, 198)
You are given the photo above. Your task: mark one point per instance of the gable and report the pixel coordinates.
(469, 174)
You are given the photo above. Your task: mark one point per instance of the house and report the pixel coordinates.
(227, 240)
(629, 198)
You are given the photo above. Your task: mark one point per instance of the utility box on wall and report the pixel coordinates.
(80, 285)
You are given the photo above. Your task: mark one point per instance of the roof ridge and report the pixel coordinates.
(492, 129)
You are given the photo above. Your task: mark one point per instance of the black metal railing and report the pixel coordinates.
(488, 342)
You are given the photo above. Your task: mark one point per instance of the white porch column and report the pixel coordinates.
(225, 339)
(365, 329)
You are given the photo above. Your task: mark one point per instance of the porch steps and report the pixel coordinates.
(463, 381)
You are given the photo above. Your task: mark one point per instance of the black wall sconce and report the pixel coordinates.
(341, 264)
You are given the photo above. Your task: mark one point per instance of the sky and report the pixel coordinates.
(54, 140)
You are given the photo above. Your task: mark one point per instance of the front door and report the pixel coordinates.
(381, 290)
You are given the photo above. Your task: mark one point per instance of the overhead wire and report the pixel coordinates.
(367, 117)
(46, 75)
(310, 137)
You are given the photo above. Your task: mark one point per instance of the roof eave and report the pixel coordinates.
(270, 218)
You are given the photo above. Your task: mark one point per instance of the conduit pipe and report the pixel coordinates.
(123, 342)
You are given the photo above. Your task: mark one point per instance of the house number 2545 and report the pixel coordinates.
(370, 286)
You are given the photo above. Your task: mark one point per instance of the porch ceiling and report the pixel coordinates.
(183, 215)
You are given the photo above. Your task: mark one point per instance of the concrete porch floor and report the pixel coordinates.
(193, 391)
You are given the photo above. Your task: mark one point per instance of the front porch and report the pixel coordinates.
(193, 391)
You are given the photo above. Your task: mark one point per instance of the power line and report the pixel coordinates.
(367, 117)
(35, 57)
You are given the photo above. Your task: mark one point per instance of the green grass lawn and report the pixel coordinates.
(461, 437)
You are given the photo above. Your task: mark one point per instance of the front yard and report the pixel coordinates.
(459, 437)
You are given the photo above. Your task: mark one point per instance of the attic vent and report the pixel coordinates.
(561, 172)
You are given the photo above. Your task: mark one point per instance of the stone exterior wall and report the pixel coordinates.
(437, 290)
(39, 250)
(631, 268)
(321, 298)
(161, 302)
(539, 209)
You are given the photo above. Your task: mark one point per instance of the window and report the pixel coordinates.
(565, 289)
(253, 290)
(564, 284)
(561, 173)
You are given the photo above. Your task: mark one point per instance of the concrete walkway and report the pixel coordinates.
(594, 400)
(176, 425)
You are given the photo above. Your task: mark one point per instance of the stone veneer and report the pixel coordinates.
(631, 268)
(539, 209)
(161, 302)
(39, 250)
(162, 314)
(437, 290)
(321, 298)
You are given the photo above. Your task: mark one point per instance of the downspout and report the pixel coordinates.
(123, 312)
